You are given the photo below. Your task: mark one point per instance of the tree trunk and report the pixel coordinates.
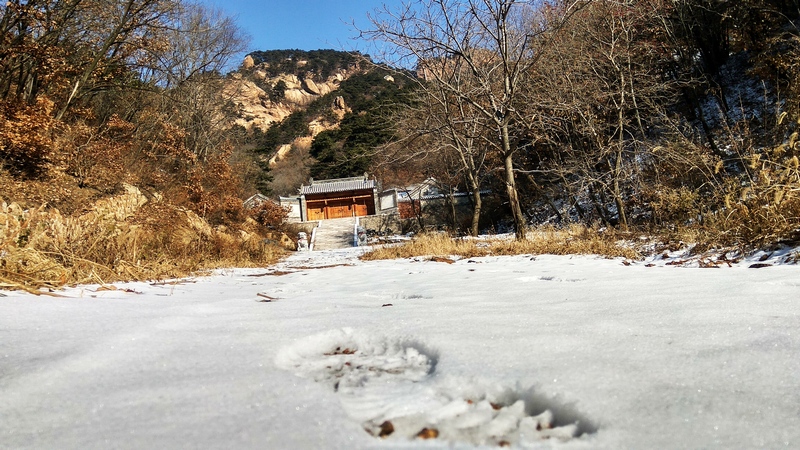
(513, 199)
(474, 186)
(617, 172)
(598, 206)
(578, 208)
(476, 211)
(511, 185)
(453, 208)
(623, 218)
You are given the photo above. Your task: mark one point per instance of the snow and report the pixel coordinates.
(537, 352)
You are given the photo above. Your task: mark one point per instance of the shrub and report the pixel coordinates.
(270, 214)
(26, 136)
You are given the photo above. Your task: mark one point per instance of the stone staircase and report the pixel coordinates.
(335, 233)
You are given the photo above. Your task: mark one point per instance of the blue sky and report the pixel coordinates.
(301, 24)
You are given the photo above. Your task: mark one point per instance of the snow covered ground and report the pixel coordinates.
(326, 351)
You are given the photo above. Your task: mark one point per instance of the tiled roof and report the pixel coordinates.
(341, 185)
(256, 199)
(435, 196)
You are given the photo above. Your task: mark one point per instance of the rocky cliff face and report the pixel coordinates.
(259, 108)
(303, 107)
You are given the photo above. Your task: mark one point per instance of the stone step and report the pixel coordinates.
(335, 233)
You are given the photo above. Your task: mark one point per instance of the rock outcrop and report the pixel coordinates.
(340, 108)
(257, 108)
(338, 103)
(280, 155)
(311, 87)
(248, 62)
(253, 105)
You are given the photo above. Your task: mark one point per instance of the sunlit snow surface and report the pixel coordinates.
(483, 351)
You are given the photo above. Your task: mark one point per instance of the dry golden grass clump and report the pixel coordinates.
(575, 240)
(125, 237)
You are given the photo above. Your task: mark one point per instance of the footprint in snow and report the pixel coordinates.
(386, 385)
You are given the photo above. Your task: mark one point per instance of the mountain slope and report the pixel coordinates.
(316, 113)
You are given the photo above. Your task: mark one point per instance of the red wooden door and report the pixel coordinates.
(361, 208)
(338, 209)
(316, 211)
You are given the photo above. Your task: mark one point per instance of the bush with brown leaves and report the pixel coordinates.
(26, 136)
(270, 214)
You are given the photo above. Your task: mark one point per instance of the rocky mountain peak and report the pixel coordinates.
(269, 86)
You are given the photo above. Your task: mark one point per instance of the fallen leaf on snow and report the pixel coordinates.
(428, 433)
(386, 429)
(441, 259)
(339, 351)
(266, 297)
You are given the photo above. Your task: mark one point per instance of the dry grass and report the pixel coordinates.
(576, 240)
(121, 238)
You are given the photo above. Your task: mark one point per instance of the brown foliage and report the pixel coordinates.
(749, 199)
(26, 136)
(94, 155)
(213, 190)
(269, 214)
(98, 97)
(763, 206)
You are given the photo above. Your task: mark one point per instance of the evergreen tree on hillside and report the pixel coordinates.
(322, 63)
(348, 150)
(345, 151)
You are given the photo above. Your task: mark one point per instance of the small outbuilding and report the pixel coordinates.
(425, 198)
(292, 204)
(336, 198)
(255, 200)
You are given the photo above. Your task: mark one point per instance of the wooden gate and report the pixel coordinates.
(331, 209)
(338, 209)
(335, 208)
(361, 207)
(316, 210)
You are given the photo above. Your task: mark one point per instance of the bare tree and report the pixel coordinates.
(199, 40)
(601, 99)
(201, 43)
(464, 140)
(442, 130)
(496, 42)
(111, 33)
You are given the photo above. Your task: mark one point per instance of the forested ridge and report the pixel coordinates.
(320, 63)
(366, 96)
(349, 148)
